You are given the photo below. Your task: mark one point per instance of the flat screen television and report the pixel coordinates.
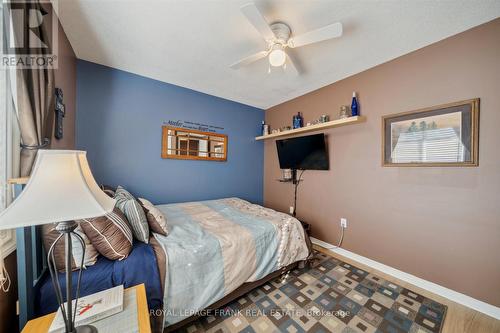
(303, 153)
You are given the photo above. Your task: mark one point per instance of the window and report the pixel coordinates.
(9, 156)
(7, 241)
(9, 150)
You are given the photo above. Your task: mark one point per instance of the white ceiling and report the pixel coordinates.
(192, 43)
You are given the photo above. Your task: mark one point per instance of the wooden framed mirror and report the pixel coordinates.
(189, 144)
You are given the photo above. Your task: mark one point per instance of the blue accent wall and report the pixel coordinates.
(119, 121)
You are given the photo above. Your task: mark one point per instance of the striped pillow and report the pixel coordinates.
(122, 196)
(49, 235)
(110, 234)
(135, 215)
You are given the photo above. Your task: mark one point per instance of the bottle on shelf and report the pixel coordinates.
(301, 120)
(298, 121)
(354, 105)
(264, 128)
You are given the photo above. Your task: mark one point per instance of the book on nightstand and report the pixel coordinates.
(92, 308)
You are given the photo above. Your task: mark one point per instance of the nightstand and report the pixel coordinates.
(42, 324)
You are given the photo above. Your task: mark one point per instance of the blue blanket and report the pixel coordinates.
(139, 267)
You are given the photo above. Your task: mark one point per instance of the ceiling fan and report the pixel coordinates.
(279, 37)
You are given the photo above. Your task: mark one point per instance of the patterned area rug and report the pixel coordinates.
(330, 296)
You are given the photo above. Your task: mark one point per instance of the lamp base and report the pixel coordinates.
(85, 329)
(67, 229)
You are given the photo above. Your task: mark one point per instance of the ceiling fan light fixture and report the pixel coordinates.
(277, 56)
(278, 37)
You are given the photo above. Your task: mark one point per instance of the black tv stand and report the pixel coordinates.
(294, 177)
(296, 183)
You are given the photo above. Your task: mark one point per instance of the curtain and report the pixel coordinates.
(35, 99)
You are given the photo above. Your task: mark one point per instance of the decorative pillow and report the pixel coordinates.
(49, 235)
(110, 234)
(134, 213)
(121, 196)
(156, 219)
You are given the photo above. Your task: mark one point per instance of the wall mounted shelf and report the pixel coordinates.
(317, 127)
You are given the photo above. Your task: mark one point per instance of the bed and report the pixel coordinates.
(216, 251)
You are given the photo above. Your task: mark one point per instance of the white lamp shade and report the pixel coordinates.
(61, 188)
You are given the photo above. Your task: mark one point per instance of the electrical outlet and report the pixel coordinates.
(291, 209)
(343, 222)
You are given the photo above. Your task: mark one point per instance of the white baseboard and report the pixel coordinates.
(452, 295)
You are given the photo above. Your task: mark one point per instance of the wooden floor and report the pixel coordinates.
(459, 319)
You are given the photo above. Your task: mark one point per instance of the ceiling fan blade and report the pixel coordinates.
(248, 60)
(330, 31)
(290, 66)
(255, 17)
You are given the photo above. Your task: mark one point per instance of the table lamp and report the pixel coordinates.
(61, 189)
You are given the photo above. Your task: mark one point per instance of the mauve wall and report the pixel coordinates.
(119, 121)
(65, 78)
(441, 224)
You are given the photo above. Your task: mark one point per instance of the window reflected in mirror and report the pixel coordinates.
(188, 144)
